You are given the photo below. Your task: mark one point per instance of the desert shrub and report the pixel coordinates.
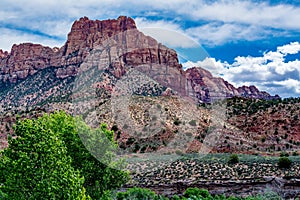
(233, 159)
(114, 128)
(284, 154)
(284, 162)
(193, 123)
(268, 196)
(179, 152)
(177, 121)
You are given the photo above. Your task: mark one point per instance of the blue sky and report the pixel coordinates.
(248, 42)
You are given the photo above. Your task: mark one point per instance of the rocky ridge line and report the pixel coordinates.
(131, 48)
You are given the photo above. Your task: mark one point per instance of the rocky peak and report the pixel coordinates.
(85, 32)
(29, 51)
(3, 54)
(205, 87)
(24, 59)
(27, 58)
(253, 92)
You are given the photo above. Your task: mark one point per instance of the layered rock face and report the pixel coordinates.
(23, 60)
(206, 88)
(117, 45)
(116, 39)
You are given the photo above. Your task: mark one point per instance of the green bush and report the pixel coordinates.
(196, 192)
(231, 198)
(233, 159)
(193, 123)
(284, 162)
(136, 194)
(177, 122)
(284, 154)
(175, 197)
(107, 195)
(219, 197)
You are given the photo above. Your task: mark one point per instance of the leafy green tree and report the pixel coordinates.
(37, 165)
(92, 152)
(48, 157)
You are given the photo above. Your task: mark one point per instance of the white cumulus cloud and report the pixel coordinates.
(167, 33)
(292, 48)
(223, 20)
(17, 37)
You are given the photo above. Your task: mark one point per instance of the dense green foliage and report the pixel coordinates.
(47, 160)
(99, 176)
(37, 165)
(137, 194)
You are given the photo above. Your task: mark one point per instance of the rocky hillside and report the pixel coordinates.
(109, 71)
(265, 126)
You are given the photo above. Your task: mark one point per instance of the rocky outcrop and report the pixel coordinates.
(23, 60)
(87, 33)
(253, 92)
(118, 40)
(204, 87)
(3, 54)
(26, 59)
